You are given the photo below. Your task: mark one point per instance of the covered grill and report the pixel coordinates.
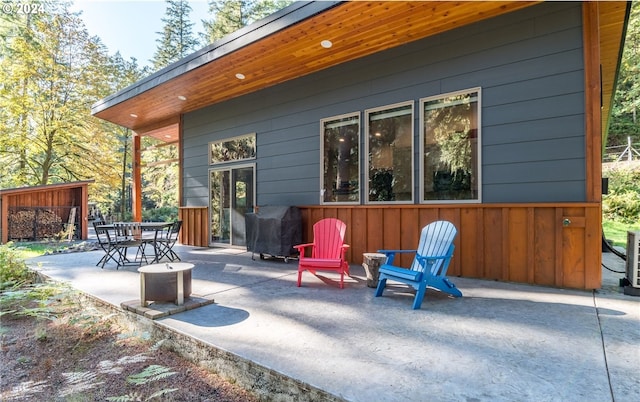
(274, 230)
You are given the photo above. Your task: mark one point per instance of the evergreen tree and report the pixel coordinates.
(177, 38)
(625, 121)
(113, 192)
(229, 16)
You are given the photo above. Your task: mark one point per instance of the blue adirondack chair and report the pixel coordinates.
(429, 267)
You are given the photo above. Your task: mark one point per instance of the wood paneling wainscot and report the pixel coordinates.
(195, 226)
(555, 245)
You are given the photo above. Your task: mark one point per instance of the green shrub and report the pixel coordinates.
(20, 294)
(163, 214)
(622, 204)
(14, 273)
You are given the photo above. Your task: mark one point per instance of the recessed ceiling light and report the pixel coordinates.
(240, 76)
(167, 136)
(182, 98)
(133, 115)
(326, 44)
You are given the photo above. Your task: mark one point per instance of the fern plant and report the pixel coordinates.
(152, 373)
(33, 300)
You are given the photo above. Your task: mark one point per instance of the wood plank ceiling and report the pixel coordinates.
(611, 21)
(356, 29)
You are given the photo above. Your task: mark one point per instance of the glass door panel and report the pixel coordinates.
(220, 202)
(242, 183)
(232, 196)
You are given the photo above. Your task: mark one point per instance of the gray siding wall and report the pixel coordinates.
(529, 65)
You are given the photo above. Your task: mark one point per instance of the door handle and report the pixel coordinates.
(566, 222)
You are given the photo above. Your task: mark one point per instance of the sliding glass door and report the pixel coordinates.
(232, 193)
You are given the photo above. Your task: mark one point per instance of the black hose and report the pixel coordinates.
(613, 250)
(617, 272)
(606, 244)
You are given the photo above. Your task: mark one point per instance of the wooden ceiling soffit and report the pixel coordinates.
(276, 50)
(612, 19)
(167, 130)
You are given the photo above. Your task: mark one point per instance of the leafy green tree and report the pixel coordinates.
(46, 62)
(51, 72)
(159, 174)
(229, 16)
(16, 33)
(177, 39)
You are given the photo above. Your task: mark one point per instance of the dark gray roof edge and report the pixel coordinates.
(284, 18)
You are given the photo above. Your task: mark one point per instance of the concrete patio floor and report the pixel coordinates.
(500, 342)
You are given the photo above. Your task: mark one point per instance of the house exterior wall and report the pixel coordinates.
(529, 65)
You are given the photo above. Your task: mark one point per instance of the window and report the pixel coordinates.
(233, 149)
(449, 147)
(390, 153)
(340, 150)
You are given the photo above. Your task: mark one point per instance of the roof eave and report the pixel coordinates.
(278, 21)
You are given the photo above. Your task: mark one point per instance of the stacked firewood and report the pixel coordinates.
(22, 224)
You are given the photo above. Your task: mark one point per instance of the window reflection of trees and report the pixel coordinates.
(341, 160)
(391, 154)
(234, 149)
(450, 148)
(220, 201)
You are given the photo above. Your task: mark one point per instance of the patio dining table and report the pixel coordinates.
(151, 233)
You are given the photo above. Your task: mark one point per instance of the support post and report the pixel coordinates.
(593, 101)
(136, 176)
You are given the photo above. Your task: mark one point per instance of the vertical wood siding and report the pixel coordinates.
(195, 226)
(525, 243)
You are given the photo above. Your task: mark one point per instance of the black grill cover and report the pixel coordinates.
(274, 230)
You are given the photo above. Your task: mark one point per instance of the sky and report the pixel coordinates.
(131, 26)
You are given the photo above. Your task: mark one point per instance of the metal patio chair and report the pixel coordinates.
(129, 234)
(106, 244)
(165, 240)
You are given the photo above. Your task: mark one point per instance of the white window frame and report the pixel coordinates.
(367, 158)
(359, 145)
(478, 166)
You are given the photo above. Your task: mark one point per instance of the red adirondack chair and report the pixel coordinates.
(327, 250)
